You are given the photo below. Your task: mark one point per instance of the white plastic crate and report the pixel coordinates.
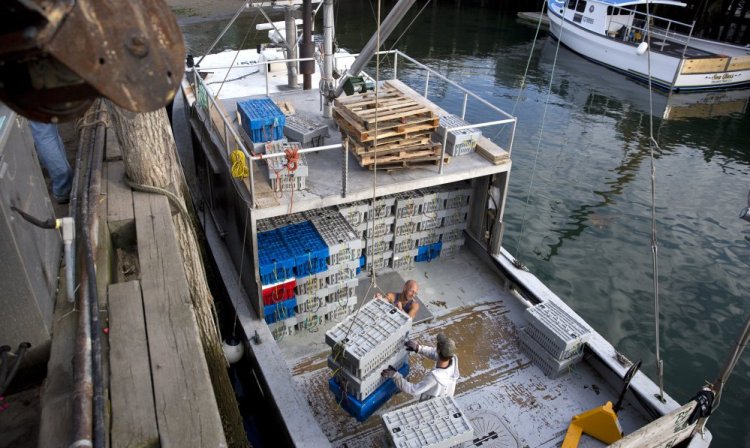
(286, 327)
(407, 226)
(341, 290)
(452, 233)
(454, 216)
(378, 262)
(362, 387)
(404, 244)
(309, 303)
(377, 246)
(461, 141)
(361, 343)
(382, 227)
(408, 203)
(354, 213)
(429, 222)
(451, 248)
(547, 363)
(311, 284)
(285, 182)
(436, 423)
(427, 237)
(404, 261)
(382, 208)
(561, 335)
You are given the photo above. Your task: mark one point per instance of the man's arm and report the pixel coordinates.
(421, 387)
(428, 352)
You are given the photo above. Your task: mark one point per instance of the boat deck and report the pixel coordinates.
(508, 399)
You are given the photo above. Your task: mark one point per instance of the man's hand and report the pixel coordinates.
(388, 373)
(377, 296)
(411, 346)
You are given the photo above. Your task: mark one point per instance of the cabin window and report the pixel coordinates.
(581, 6)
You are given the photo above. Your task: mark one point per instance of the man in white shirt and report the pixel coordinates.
(441, 380)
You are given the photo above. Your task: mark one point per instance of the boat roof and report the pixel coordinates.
(622, 3)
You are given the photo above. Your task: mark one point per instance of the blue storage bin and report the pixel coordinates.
(307, 248)
(276, 263)
(429, 252)
(279, 311)
(262, 119)
(362, 410)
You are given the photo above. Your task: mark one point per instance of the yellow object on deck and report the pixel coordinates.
(239, 165)
(600, 423)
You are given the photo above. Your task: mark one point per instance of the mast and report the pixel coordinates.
(327, 78)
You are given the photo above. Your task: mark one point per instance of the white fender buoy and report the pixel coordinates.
(233, 350)
(642, 48)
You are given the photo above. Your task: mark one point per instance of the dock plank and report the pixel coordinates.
(187, 413)
(132, 395)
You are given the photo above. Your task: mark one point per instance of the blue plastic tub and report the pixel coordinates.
(362, 410)
(279, 311)
(262, 119)
(429, 252)
(276, 263)
(306, 247)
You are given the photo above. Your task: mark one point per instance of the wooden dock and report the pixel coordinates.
(158, 388)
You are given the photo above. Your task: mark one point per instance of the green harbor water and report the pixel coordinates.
(579, 205)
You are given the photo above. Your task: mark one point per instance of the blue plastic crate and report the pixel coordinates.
(429, 252)
(276, 263)
(279, 311)
(362, 261)
(262, 119)
(362, 410)
(307, 248)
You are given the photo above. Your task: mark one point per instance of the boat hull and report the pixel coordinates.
(666, 71)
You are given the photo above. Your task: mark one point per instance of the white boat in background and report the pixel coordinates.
(617, 34)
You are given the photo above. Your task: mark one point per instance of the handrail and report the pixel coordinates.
(252, 157)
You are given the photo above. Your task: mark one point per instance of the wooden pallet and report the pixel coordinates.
(408, 127)
(397, 143)
(408, 153)
(409, 164)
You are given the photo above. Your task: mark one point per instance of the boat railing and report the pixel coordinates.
(224, 128)
(635, 26)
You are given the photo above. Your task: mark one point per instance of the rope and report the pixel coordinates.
(541, 133)
(151, 189)
(239, 165)
(652, 143)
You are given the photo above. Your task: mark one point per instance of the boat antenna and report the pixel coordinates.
(517, 260)
(653, 144)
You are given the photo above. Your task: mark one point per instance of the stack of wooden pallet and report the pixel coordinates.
(403, 127)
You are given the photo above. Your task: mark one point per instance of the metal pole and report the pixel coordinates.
(345, 172)
(442, 152)
(426, 84)
(307, 68)
(386, 28)
(463, 110)
(224, 31)
(291, 51)
(327, 78)
(252, 182)
(395, 66)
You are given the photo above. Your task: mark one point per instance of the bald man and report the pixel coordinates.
(406, 299)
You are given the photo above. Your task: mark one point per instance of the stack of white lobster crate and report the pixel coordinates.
(553, 339)
(362, 345)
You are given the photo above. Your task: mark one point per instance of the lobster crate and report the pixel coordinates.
(307, 247)
(378, 246)
(408, 204)
(427, 237)
(561, 335)
(305, 130)
(407, 226)
(451, 248)
(433, 199)
(429, 252)
(547, 363)
(404, 261)
(454, 216)
(363, 409)
(452, 233)
(362, 342)
(436, 423)
(382, 208)
(459, 141)
(286, 175)
(342, 241)
(404, 244)
(279, 311)
(361, 388)
(261, 119)
(457, 198)
(381, 227)
(378, 262)
(429, 222)
(309, 304)
(278, 292)
(355, 213)
(311, 284)
(275, 262)
(342, 290)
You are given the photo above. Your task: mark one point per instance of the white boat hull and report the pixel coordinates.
(666, 71)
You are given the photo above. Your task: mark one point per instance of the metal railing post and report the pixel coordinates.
(463, 110)
(426, 84)
(345, 171)
(395, 65)
(442, 151)
(267, 68)
(252, 182)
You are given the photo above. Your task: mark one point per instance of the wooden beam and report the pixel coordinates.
(131, 390)
(186, 408)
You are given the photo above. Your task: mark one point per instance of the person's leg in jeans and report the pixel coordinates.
(51, 151)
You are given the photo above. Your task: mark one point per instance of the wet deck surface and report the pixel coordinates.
(510, 402)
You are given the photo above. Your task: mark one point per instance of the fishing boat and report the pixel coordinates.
(436, 217)
(617, 33)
